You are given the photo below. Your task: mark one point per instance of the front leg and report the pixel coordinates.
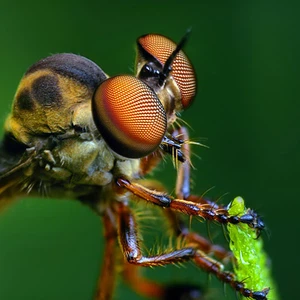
(183, 192)
(207, 211)
(130, 245)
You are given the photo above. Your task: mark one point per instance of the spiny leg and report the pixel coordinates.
(184, 290)
(130, 244)
(129, 241)
(206, 211)
(184, 170)
(134, 259)
(183, 192)
(180, 229)
(183, 179)
(130, 273)
(184, 173)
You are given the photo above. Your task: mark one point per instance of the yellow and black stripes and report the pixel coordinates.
(49, 93)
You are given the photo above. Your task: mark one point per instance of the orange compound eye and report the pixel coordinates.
(183, 72)
(129, 116)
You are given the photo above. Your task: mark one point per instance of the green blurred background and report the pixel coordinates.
(246, 55)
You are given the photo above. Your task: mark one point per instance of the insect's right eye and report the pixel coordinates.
(129, 116)
(159, 48)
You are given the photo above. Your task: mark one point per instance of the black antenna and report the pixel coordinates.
(168, 65)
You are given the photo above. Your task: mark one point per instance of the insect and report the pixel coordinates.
(74, 132)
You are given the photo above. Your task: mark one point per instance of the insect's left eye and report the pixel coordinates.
(129, 116)
(160, 47)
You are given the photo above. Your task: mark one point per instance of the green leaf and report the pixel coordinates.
(251, 264)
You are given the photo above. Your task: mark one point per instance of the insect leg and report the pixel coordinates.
(106, 281)
(181, 230)
(131, 247)
(131, 272)
(130, 244)
(183, 192)
(207, 211)
(183, 175)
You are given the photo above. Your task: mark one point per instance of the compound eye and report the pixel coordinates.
(129, 116)
(183, 72)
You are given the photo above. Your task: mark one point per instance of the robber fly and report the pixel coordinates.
(74, 132)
